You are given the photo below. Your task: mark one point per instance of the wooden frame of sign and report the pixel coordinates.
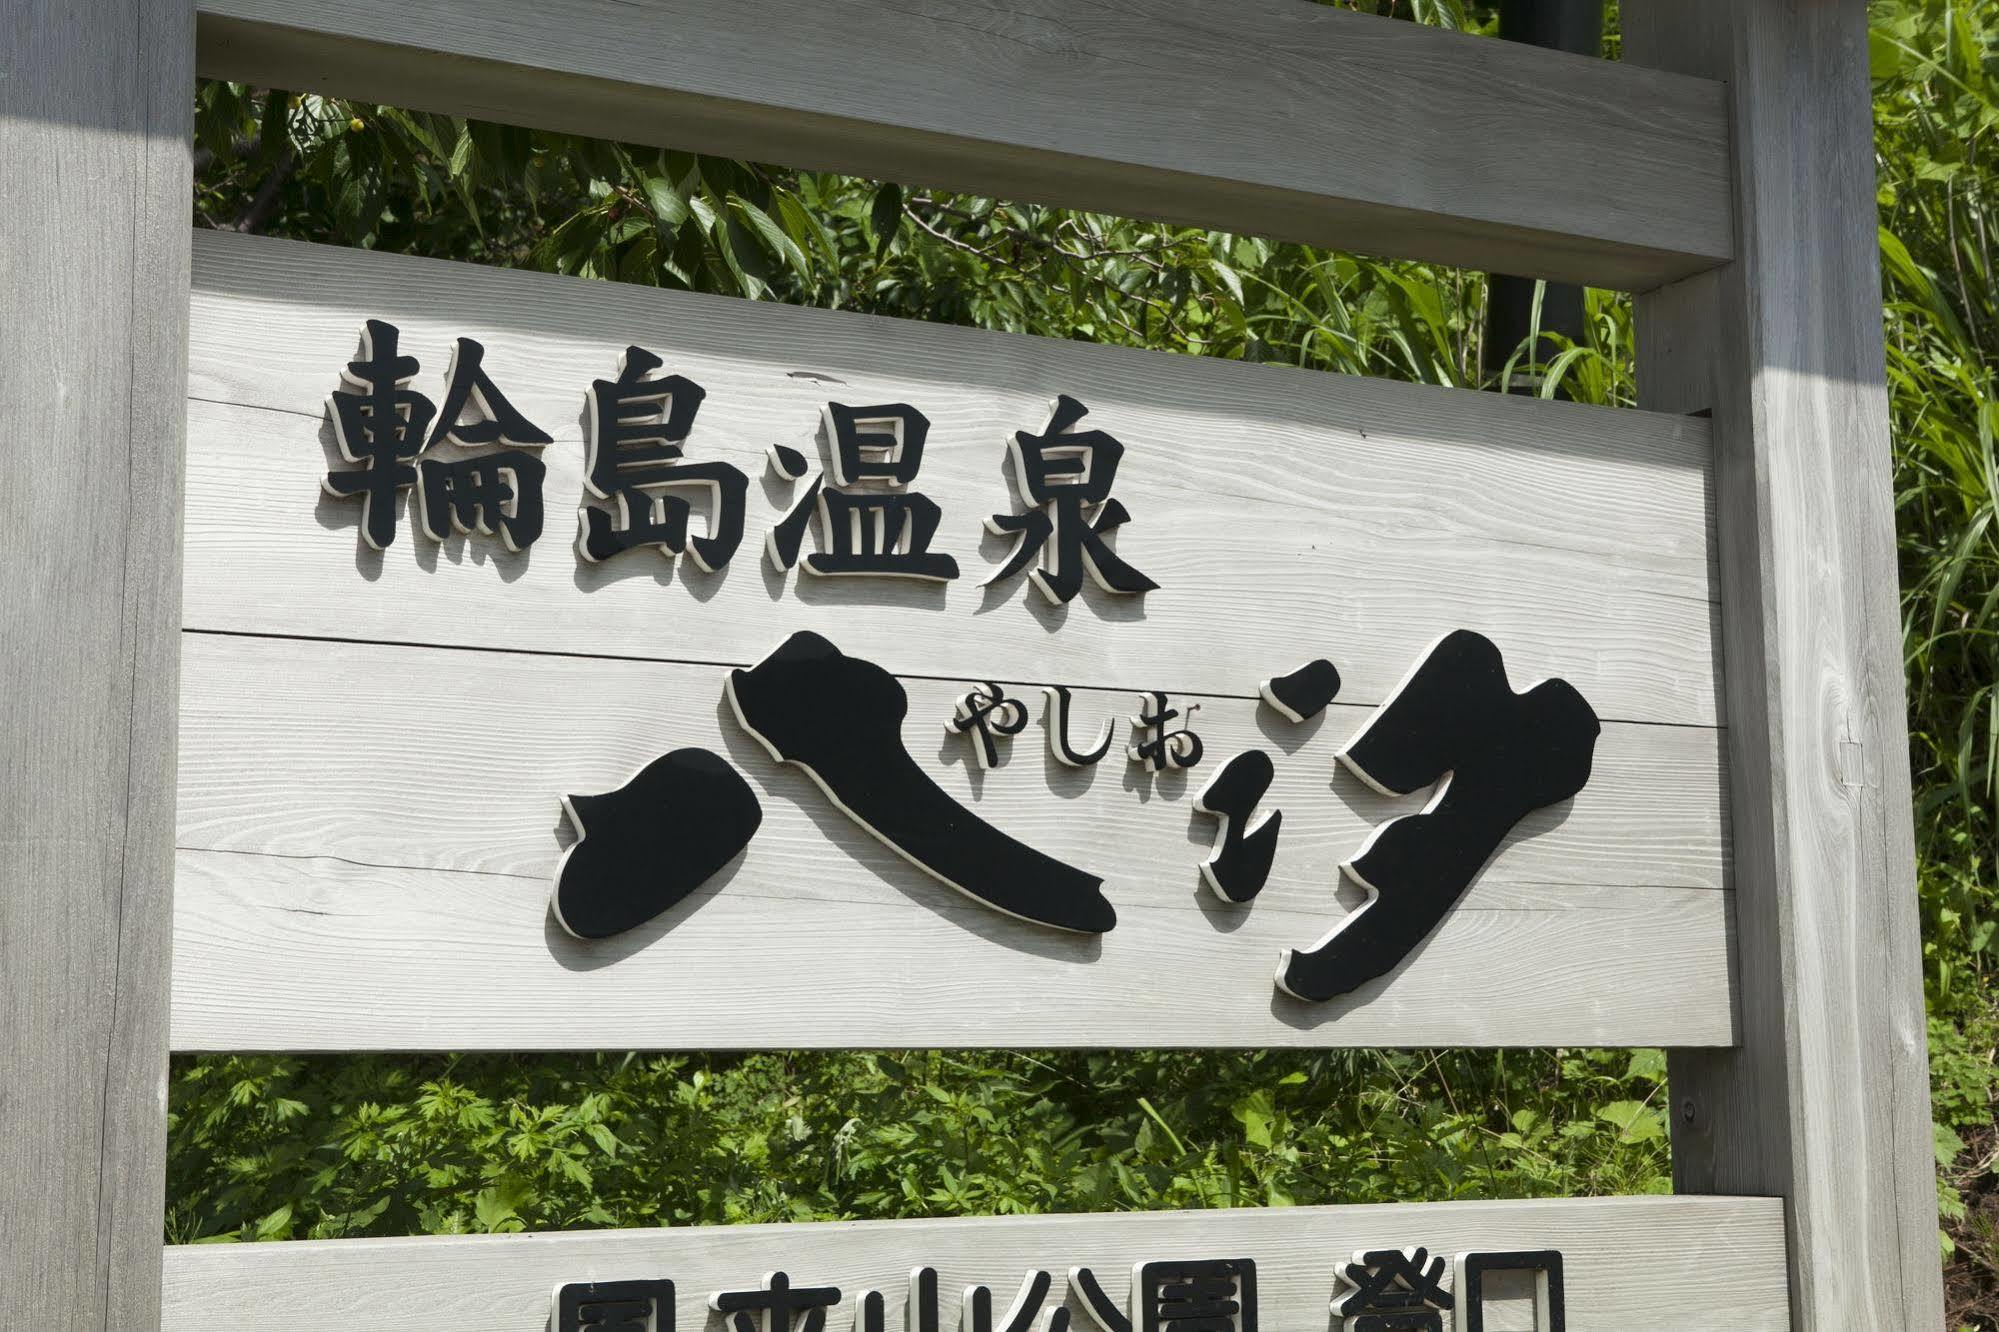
(1715, 573)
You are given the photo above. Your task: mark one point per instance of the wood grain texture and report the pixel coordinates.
(1826, 1102)
(375, 820)
(1287, 514)
(1150, 108)
(1630, 1264)
(94, 181)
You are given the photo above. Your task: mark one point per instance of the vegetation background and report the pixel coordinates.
(266, 1147)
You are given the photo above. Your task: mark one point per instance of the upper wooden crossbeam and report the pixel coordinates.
(1273, 117)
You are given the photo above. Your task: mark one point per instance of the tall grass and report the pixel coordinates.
(1936, 112)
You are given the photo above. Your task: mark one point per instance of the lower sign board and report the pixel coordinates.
(1584, 1265)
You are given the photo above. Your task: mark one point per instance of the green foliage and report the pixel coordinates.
(1936, 112)
(1936, 109)
(274, 1148)
(271, 1147)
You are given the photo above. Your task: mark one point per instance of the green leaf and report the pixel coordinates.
(1254, 1112)
(1634, 1120)
(765, 230)
(804, 227)
(493, 1210)
(1647, 1064)
(461, 153)
(885, 217)
(1947, 1143)
(667, 204)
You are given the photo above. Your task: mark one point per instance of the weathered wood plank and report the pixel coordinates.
(383, 820)
(1690, 1264)
(1284, 513)
(1826, 1100)
(1150, 108)
(94, 180)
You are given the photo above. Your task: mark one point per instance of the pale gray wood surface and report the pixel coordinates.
(369, 833)
(94, 180)
(1631, 1264)
(385, 808)
(1267, 116)
(1286, 514)
(1827, 1100)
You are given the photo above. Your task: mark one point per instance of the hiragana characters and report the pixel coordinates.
(775, 1307)
(613, 1306)
(650, 843)
(1543, 1265)
(1393, 1290)
(868, 524)
(1180, 1295)
(1056, 717)
(1240, 864)
(492, 493)
(1160, 745)
(380, 423)
(1059, 473)
(1498, 755)
(638, 428)
(840, 718)
(987, 715)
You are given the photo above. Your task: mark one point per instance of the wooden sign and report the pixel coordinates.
(378, 743)
(1467, 1267)
(531, 663)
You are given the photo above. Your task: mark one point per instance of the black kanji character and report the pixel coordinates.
(650, 843)
(867, 523)
(840, 718)
(1020, 1315)
(638, 431)
(1550, 1304)
(1188, 1295)
(1393, 1290)
(379, 422)
(613, 1306)
(1498, 755)
(776, 1306)
(1243, 852)
(922, 1313)
(497, 421)
(487, 493)
(1060, 473)
(492, 493)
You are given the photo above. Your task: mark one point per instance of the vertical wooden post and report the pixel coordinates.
(1826, 1100)
(95, 104)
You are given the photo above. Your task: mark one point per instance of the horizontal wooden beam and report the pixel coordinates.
(1627, 1263)
(1274, 117)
